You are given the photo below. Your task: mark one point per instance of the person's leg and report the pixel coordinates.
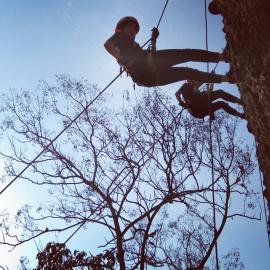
(224, 95)
(175, 74)
(144, 77)
(163, 58)
(225, 106)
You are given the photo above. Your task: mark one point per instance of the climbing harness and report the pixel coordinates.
(74, 119)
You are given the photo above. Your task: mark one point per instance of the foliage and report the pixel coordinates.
(58, 256)
(233, 261)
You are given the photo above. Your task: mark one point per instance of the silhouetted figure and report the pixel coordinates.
(156, 67)
(197, 103)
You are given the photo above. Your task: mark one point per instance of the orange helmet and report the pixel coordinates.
(126, 20)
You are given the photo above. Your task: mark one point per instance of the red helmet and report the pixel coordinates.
(124, 21)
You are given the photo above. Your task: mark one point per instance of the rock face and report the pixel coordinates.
(247, 28)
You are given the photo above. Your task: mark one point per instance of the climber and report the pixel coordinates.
(156, 67)
(197, 103)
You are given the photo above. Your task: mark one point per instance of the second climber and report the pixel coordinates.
(201, 104)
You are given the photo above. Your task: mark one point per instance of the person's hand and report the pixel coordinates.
(155, 33)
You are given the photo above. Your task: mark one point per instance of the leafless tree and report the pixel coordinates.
(143, 173)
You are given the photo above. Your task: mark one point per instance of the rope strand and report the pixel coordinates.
(157, 23)
(211, 143)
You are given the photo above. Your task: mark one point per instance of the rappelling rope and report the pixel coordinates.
(211, 142)
(160, 18)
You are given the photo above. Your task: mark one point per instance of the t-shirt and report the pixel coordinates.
(129, 49)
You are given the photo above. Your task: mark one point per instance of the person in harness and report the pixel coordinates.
(197, 103)
(157, 67)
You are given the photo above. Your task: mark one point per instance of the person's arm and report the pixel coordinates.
(116, 53)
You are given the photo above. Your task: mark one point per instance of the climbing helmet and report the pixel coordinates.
(126, 20)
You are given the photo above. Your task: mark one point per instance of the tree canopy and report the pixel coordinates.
(142, 173)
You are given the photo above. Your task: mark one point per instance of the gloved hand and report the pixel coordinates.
(155, 33)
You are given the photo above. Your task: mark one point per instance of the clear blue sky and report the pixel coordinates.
(42, 38)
